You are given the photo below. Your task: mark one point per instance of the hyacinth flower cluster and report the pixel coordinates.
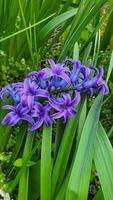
(51, 93)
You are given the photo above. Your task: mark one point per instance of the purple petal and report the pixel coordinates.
(22, 109)
(52, 63)
(103, 87)
(34, 73)
(9, 107)
(76, 100)
(85, 71)
(57, 115)
(8, 118)
(37, 125)
(65, 115)
(91, 91)
(47, 107)
(56, 81)
(42, 93)
(56, 105)
(18, 84)
(23, 100)
(14, 120)
(43, 73)
(30, 101)
(65, 77)
(47, 120)
(72, 111)
(28, 118)
(27, 83)
(33, 86)
(67, 98)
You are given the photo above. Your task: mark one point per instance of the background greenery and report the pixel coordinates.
(31, 32)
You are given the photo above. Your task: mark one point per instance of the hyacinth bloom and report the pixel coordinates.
(29, 92)
(43, 114)
(17, 113)
(10, 91)
(84, 80)
(45, 95)
(40, 77)
(65, 107)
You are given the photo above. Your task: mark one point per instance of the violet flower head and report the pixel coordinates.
(84, 79)
(46, 95)
(97, 81)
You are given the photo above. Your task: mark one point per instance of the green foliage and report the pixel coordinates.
(59, 162)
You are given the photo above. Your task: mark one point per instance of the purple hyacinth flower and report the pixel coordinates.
(58, 70)
(10, 91)
(66, 107)
(93, 80)
(40, 77)
(17, 113)
(59, 73)
(43, 114)
(97, 81)
(102, 86)
(76, 64)
(79, 71)
(30, 91)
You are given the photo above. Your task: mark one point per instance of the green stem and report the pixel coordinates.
(23, 183)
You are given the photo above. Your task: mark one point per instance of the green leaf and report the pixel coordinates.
(76, 51)
(81, 121)
(34, 181)
(24, 179)
(46, 163)
(51, 25)
(96, 48)
(61, 161)
(103, 159)
(77, 27)
(24, 29)
(80, 175)
(99, 195)
(58, 136)
(102, 20)
(110, 68)
(18, 144)
(18, 163)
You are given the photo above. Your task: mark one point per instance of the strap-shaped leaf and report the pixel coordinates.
(24, 179)
(51, 25)
(46, 163)
(60, 165)
(103, 159)
(99, 195)
(80, 175)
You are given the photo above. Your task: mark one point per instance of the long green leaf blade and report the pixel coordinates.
(46, 164)
(103, 159)
(64, 152)
(24, 179)
(51, 25)
(80, 176)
